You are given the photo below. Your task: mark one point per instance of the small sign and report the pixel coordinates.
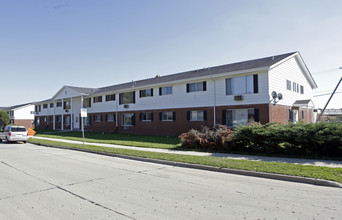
(83, 112)
(30, 132)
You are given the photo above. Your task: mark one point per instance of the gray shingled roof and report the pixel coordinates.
(14, 107)
(245, 65)
(302, 102)
(83, 89)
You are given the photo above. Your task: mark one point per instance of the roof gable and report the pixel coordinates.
(72, 91)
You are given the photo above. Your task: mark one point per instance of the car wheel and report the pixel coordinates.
(0, 140)
(25, 142)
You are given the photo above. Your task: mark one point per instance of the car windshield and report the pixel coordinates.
(18, 129)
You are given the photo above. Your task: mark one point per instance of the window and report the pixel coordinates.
(97, 99)
(51, 118)
(242, 85)
(237, 117)
(146, 93)
(127, 98)
(38, 108)
(59, 104)
(302, 115)
(110, 97)
(128, 120)
(289, 115)
(66, 104)
(295, 87)
(86, 102)
(288, 85)
(301, 89)
(51, 105)
(165, 90)
(146, 116)
(87, 121)
(67, 120)
(97, 118)
(37, 121)
(110, 117)
(58, 118)
(45, 119)
(197, 115)
(45, 106)
(196, 87)
(167, 116)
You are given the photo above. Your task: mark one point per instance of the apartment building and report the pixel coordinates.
(22, 114)
(272, 89)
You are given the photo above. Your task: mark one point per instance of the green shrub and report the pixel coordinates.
(320, 139)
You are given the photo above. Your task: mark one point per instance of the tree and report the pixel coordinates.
(4, 119)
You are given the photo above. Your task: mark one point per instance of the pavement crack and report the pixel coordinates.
(95, 203)
(28, 193)
(61, 188)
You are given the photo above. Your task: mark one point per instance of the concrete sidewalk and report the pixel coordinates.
(324, 163)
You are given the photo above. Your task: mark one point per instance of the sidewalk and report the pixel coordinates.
(324, 163)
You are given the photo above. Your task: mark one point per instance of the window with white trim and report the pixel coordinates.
(242, 85)
(110, 117)
(238, 117)
(165, 90)
(288, 85)
(128, 119)
(197, 115)
(45, 105)
(97, 99)
(86, 102)
(167, 116)
(146, 93)
(127, 98)
(196, 87)
(146, 116)
(98, 118)
(110, 97)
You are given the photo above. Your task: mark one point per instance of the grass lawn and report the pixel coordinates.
(120, 139)
(334, 174)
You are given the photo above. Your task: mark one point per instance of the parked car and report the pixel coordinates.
(14, 133)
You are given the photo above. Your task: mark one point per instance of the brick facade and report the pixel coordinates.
(27, 123)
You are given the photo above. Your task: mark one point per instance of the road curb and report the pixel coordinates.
(297, 179)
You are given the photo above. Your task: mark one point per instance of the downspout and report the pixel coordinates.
(54, 115)
(214, 102)
(116, 114)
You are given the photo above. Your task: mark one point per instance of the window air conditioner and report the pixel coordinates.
(238, 98)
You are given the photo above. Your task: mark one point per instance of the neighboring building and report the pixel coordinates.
(22, 115)
(331, 115)
(230, 94)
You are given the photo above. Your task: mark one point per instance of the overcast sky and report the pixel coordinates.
(45, 44)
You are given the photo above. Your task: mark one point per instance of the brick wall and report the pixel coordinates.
(27, 123)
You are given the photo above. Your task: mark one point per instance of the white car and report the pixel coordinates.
(14, 133)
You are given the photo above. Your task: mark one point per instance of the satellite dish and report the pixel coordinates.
(280, 96)
(274, 95)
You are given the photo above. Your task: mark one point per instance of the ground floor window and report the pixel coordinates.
(97, 118)
(67, 120)
(197, 115)
(110, 117)
(167, 116)
(87, 121)
(128, 120)
(238, 117)
(146, 116)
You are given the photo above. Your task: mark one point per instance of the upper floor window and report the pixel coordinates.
(295, 87)
(45, 105)
(242, 85)
(51, 105)
(87, 121)
(110, 97)
(59, 104)
(146, 93)
(97, 99)
(127, 98)
(196, 87)
(66, 104)
(288, 85)
(301, 89)
(38, 108)
(86, 102)
(165, 90)
(197, 115)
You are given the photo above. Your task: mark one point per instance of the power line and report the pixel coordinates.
(325, 94)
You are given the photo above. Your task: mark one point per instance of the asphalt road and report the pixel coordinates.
(45, 183)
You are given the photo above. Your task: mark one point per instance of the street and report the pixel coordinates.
(46, 183)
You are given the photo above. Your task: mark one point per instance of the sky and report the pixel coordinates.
(45, 44)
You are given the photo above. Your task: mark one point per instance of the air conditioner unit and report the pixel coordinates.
(126, 106)
(238, 98)
(37, 113)
(67, 110)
